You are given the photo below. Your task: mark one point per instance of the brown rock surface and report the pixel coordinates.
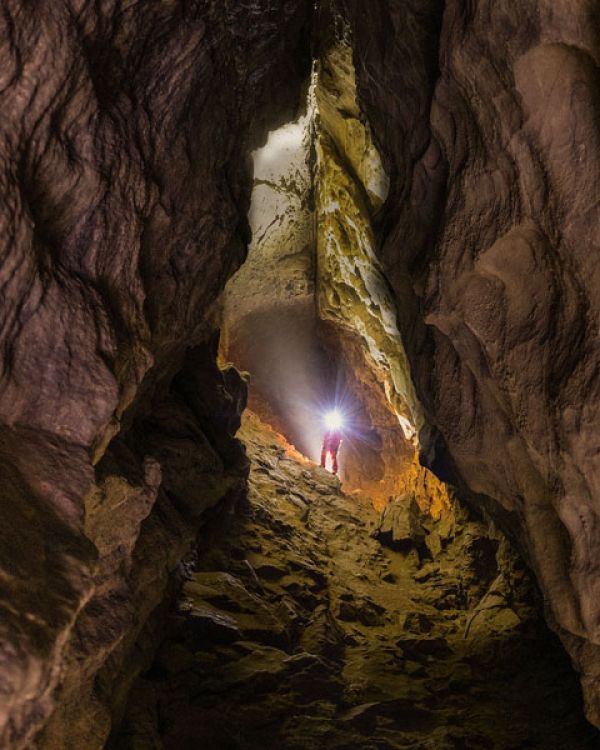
(124, 187)
(297, 629)
(488, 116)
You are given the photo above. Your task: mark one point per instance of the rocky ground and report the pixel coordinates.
(307, 619)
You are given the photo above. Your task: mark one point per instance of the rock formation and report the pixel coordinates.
(354, 299)
(312, 292)
(458, 305)
(124, 188)
(488, 117)
(351, 185)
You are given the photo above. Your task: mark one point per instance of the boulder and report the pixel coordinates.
(400, 526)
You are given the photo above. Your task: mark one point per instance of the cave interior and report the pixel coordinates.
(223, 221)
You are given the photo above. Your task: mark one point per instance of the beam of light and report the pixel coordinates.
(334, 420)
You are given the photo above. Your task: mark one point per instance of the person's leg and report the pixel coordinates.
(334, 461)
(323, 457)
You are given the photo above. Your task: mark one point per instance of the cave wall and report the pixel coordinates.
(271, 323)
(354, 298)
(351, 185)
(310, 315)
(487, 114)
(124, 187)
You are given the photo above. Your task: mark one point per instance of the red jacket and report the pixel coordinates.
(332, 440)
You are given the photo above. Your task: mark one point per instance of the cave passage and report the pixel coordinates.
(221, 219)
(270, 325)
(309, 315)
(373, 613)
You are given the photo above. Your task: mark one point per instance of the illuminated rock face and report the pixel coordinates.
(318, 184)
(351, 185)
(353, 295)
(313, 621)
(124, 188)
(488, 117)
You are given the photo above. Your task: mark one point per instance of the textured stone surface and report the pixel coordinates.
(488, 116)
(124, 187)
(272, 326)
(354, 298)
(177, 461)
(297, 629)
(400, 525)
(351, 184)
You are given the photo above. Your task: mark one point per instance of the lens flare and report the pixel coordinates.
(333, 420)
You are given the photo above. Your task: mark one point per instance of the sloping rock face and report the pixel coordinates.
(297, 629)
(488, 116)
(124, 188)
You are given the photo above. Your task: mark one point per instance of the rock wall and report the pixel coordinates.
(124, 188)
(353, 295)
(318, 184)
(351, 185)
(488, 117)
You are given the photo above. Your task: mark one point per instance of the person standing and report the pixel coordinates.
(331, 444)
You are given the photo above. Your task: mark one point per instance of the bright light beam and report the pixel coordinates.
(333, 420)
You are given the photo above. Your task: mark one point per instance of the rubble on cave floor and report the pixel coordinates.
(311, 620)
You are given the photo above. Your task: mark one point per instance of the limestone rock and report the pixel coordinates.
(268, 317)
(124, 188)
(467, 300)
(417, 622)
(400, 525)
(487, 117)
(352, 291)
(317, 179)
(433, 542)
